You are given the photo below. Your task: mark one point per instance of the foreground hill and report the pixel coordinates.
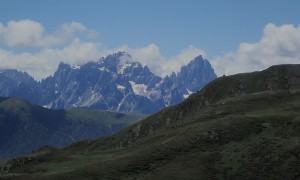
(25, 127)
(245, 126)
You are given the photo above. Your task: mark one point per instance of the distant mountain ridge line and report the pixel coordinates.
(115, 83)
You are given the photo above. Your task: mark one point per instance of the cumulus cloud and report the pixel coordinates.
(71, 43)
(44, 63)
(278, 45)
(31, 34)
(22, 33)
(74, 43)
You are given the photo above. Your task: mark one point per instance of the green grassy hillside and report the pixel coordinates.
(25, 127)
(253, 133)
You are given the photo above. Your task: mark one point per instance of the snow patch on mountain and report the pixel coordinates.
(122, 67)
(101, 68)
(125, 61)
(139, 89)
(120, 87)
(76, 67)
(187, 95)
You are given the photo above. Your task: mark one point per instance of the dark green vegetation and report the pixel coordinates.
(245, 126)
(25, 127)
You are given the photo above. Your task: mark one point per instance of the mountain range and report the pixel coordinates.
(244, 126)
(115, 83)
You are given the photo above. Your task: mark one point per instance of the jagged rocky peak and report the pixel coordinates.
(197, 64)
(14, 83)
(120, 57)
(14, 73)
(117, 82)
(63, 66)
(14, 76)
(118, 63)
(196, 74)
(200, 57)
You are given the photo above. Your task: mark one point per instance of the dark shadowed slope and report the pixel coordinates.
(25, 127)
(245, 126)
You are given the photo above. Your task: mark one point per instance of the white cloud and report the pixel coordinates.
(31, 34)
(278, 45)
(74, 43)
(70, 31)
(44, 63)
(21, 33)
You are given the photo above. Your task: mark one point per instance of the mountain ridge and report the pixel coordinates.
(116, 83)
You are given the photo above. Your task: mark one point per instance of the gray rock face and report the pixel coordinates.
(19, 84)
(114, 83)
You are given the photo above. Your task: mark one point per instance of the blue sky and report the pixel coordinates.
(172, 27)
